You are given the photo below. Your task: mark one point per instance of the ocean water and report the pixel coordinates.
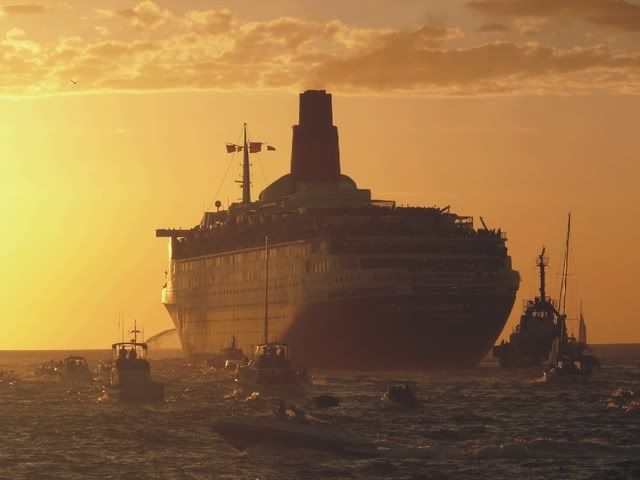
(478, 423)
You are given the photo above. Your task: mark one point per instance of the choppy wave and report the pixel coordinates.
(477, 423)
(545, 448)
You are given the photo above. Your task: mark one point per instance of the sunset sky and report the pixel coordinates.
(516, 110)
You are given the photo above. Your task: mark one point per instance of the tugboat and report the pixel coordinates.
(131, 372)
(529, 345)
(74, 369)
(270, 371)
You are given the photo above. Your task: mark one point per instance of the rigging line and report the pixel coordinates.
(264, 178)
(576, 284)
(223, 179)
(565, 271)
(233, 157)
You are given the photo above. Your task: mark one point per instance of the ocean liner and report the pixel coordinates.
(353, 282)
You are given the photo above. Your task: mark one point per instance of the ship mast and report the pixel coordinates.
(565, 272)
(247, 147)
(266, 290)
(246, 179)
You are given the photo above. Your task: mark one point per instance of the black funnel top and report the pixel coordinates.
(315, 154)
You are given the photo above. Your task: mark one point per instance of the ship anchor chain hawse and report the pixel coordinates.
(355, 282)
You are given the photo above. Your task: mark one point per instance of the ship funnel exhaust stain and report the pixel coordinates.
(315, 154)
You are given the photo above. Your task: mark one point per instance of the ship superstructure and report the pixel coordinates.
(353, 282)
(540, 324)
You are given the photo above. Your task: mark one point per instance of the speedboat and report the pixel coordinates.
(131, 373)
(270, 372)
(74, 369)
(52, 367)
(400, 395)
(296, 432)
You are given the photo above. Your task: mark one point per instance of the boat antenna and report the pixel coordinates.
(135, 331)
(542, 264)
(266, 290)
(246, 179)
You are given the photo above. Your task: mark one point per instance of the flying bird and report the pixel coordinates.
(74, 82)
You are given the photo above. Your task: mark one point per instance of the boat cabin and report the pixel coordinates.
(131, 373)
(272, 355)
(271, 367)
(130, 364)
(74, 368)
(232, 352)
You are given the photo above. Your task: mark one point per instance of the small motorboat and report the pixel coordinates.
(104, 366)
(229, 358)
(270, 372)
(74, 369)
(567, 362)
(325, 401)
(570, 370)
(51, 367)
(131, 373)
(401, 394)
(564, 374)
(291, 432)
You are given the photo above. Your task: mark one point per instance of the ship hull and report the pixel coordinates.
(388, 332)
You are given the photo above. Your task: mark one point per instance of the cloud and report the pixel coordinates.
(493, 27)
(215, 50)
(15, 33)
(146, 15)
(22, 9)
(530, 25)
(214, 22)
(102, 30)
(493, 68)
(617, 14)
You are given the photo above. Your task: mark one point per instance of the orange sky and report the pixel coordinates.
(497, 108)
